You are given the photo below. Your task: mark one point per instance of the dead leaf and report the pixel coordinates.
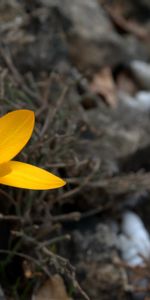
(52, 289)
(104, 85)
(126, 83)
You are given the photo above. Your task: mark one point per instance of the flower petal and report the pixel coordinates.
(4, 169)
(15, 130)
(23, 175)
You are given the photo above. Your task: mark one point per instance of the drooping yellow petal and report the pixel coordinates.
(23, 175)
(15, 130)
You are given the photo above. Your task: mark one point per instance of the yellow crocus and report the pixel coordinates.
(15, 130)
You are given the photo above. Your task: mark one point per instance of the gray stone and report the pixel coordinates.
(92, 40)
(141, 71)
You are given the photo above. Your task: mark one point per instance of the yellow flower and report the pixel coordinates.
(15, 130)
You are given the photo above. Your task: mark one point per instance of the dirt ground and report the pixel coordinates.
(83, 67)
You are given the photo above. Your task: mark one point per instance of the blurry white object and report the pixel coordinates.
(141, 101)
(141, 71)
(134, 241)
(126, 99)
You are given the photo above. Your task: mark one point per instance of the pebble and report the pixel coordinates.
(141, 101)
(141, 71)
(134, 241)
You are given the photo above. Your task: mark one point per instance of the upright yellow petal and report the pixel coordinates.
(15, 130)
(23, 175)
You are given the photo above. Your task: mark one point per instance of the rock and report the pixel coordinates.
(77, 32)
(46, 47)
(77, 29)
(143, 100)
(140, 102)
(134, 242)
(91, 38)
(141, 71)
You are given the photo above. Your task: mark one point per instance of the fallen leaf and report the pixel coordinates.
(126, 83)
(103, 84)
(52, 289)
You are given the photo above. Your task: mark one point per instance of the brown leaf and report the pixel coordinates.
(52, 289)
(104, 85)
(126, 83)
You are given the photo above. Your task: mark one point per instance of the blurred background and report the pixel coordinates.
(83, 67)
